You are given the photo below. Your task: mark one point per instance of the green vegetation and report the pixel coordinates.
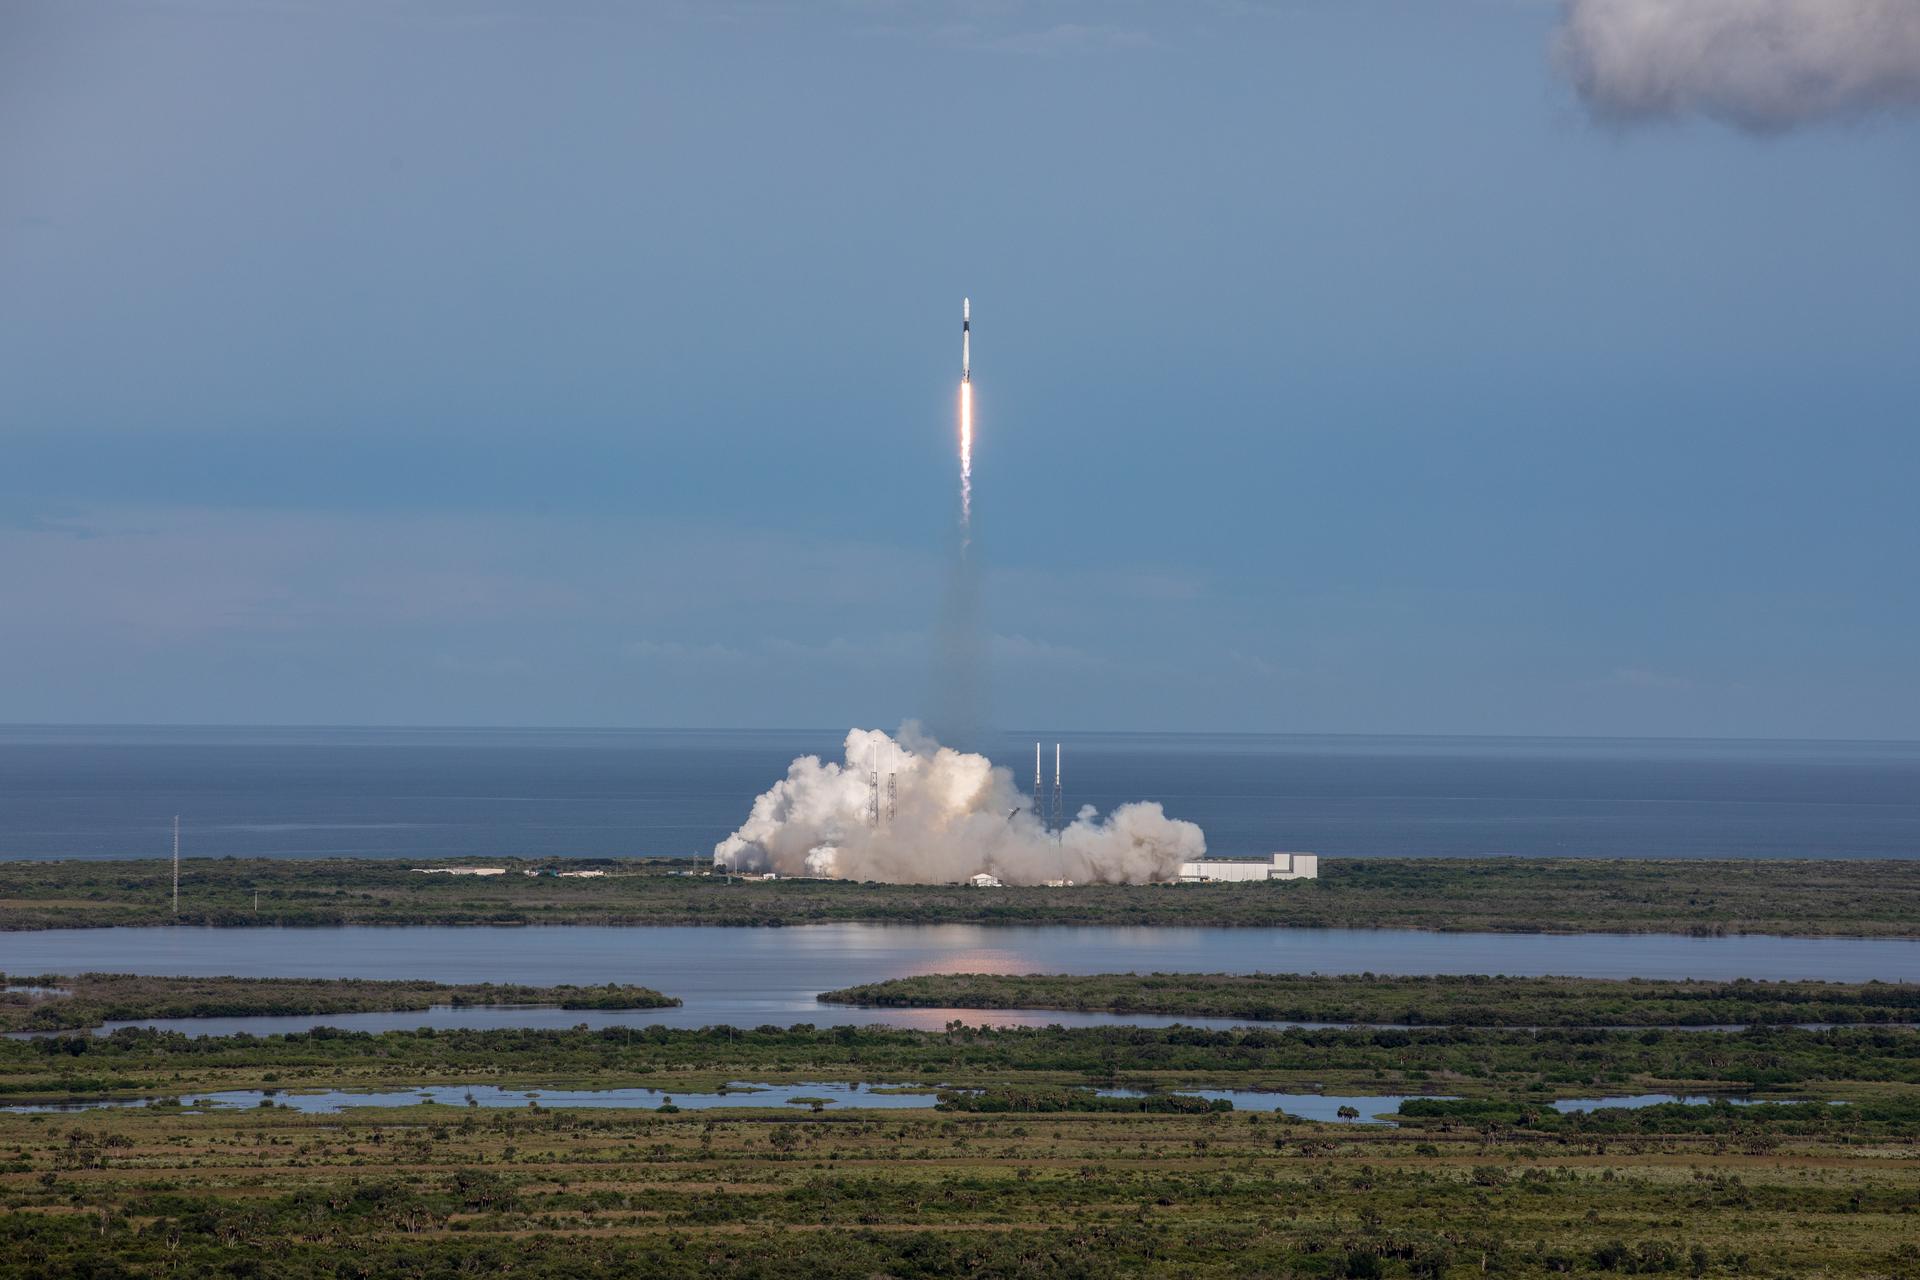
(448, 1191)
(54, 1003)
(1502, 894)
(1845, 1062)
(1872, 1118)
(1032, 1176)
(1414, 1001)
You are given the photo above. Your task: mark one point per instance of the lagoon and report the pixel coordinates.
(757, 976)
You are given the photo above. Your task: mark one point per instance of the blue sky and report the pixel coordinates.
(1339, 368)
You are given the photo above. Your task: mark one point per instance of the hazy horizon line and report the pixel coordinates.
(1429, 735)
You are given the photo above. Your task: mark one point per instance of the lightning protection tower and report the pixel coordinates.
(176, 864)
(893, 796)
(873, 788)
(1059, 808)
(1039, 789)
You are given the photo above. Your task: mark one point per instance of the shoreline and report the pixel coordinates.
(1863, 899)
(587, 922)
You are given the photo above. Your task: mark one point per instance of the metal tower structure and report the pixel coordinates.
(893, 796)
(176, 864)
(1039, 789)
(1059, 807)
(873, 789)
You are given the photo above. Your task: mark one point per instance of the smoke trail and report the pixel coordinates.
(957, 815)
(966, 466)
(959, 694)
(958, 688)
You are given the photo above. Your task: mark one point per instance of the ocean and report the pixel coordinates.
(107, 792)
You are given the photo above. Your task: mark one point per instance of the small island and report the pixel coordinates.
(55, 1002)
(1420, 1000)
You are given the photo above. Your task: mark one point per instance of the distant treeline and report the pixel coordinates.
(1467, 1061)
(1413, 1001)
(53, 1002)
(1897, 1116)
(1570, 895)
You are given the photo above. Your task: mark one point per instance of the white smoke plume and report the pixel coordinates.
(1761, 65)
(955, 817)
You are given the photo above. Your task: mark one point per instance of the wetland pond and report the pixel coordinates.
(1372, 1108)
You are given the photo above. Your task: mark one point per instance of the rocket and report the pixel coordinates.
(966, 424)
(966, 336)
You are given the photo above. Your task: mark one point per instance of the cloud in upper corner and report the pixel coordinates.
(1765, 66)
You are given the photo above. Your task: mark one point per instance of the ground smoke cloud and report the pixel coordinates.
(1762, 65)
(951, 821)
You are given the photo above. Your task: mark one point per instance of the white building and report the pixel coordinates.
(461, 871)
(1281, 866)
(984, 881)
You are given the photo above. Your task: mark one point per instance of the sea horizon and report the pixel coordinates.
(110, 791)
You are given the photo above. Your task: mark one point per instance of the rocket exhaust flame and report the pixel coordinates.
(957, 691)
(966, 423)
(951, 814)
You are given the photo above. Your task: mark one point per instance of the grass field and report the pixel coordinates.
(437, 1191)
(1496, 1182)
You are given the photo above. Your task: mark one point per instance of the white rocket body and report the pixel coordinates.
(966, 340)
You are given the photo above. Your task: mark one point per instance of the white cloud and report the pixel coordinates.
(1761, 65)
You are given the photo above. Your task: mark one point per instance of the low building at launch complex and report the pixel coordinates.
(1281, 866)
